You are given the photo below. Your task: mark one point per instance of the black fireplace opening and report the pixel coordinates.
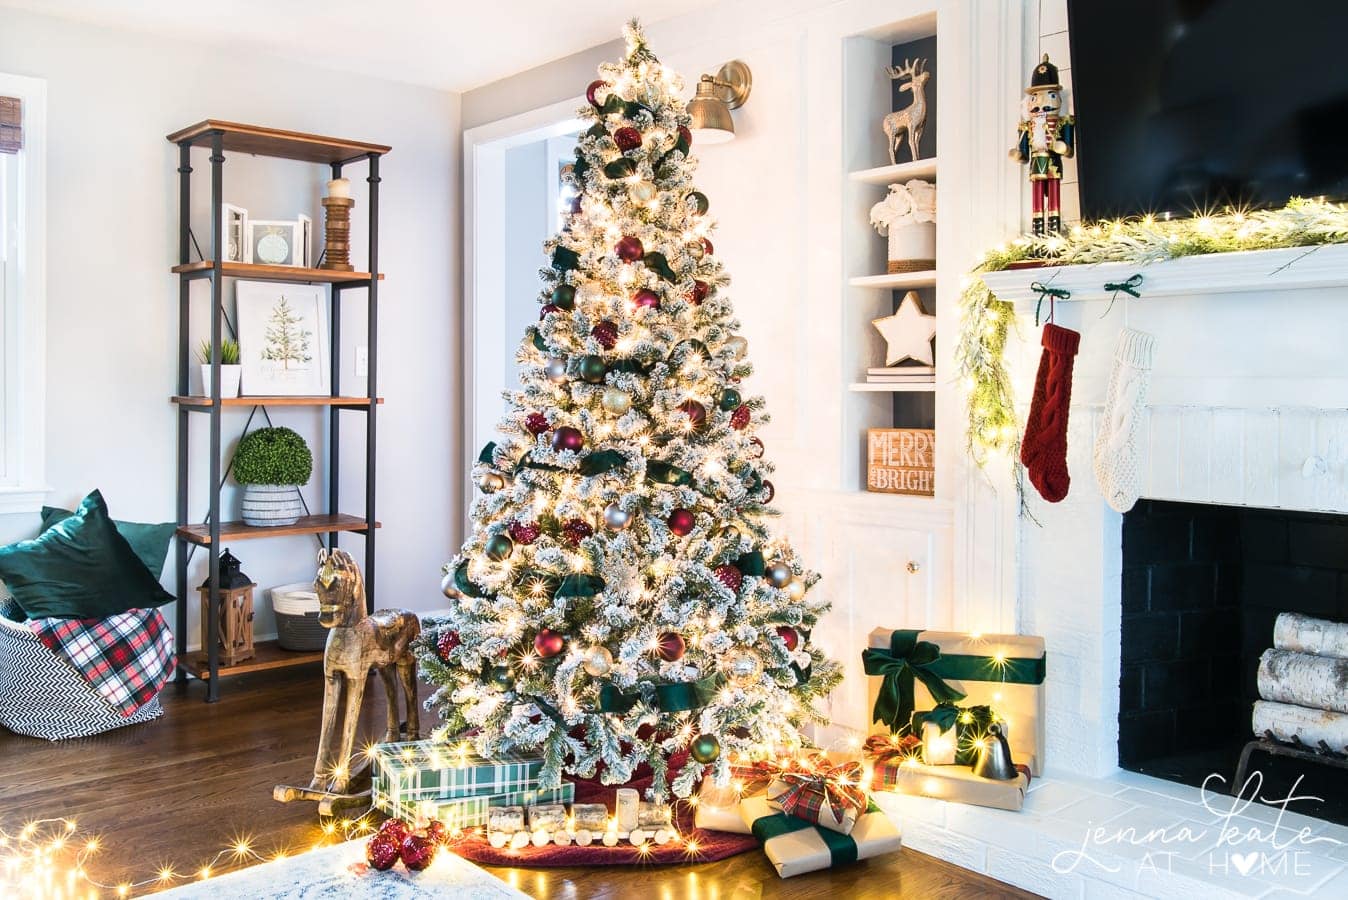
(1202, 586)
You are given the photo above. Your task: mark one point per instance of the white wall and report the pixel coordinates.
(112, 304)
(526, 228)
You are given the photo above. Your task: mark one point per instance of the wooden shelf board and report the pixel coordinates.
(266, 655)
(238, 531)
(925, 278)
(887, 175)
(263, 141)
(898, 387)
(274, 273)
(275, 401)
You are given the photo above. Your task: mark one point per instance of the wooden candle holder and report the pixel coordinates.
(337, 234)
(236, 623)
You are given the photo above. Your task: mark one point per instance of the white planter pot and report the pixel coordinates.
(912, 248)
(229, 381)
(271, 504)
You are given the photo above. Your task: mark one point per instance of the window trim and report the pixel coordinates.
(24, 487)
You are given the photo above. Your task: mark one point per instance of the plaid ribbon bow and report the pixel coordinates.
(839, 786)
(893, 748)
(753, 777)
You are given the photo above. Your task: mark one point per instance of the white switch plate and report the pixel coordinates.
(362, 362)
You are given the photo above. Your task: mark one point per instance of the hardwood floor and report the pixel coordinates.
(178, 790)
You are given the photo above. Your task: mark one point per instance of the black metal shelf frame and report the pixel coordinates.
(216, 276)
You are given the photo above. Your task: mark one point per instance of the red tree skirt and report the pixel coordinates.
(711, 845)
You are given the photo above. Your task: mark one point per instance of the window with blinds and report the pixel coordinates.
(11, 125)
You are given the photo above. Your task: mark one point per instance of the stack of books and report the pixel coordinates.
(902, 375)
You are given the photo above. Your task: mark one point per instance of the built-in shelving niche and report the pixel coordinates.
(870, 294)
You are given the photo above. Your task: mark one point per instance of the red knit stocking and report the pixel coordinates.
(1043, 450)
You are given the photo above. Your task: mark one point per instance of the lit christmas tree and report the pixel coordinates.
(621, 600)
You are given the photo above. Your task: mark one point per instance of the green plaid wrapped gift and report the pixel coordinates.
(424, 770)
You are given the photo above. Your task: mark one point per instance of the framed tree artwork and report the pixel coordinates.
(283, 338)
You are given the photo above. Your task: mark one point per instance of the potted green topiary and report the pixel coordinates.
(272, 464)
(230, 370)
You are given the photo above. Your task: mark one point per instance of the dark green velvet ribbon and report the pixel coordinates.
(462, 582)
(636, 367)
(622, 167)
(1052, 293)
(662, 472)
(579, 584)
(658, 264)
(601, 461)
(842, 849)
(565, 259)
(752, 563)
(908, 658)
(488, 453)
(673, 697)
(947, 716)
(629, 108)
(538, 341)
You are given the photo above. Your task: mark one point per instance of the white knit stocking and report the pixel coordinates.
(1117, 469)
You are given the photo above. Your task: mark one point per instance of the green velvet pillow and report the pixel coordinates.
(80, 568)
(150, 542)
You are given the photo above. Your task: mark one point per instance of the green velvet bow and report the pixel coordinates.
(906, 659)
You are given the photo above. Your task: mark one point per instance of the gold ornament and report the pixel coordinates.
(491, 482)
(597, 662)
(556, 370)
(448, 588)
(616, 401)
(737, 345)
(745, 668)
(795, 589)
(641, 192)
(695, 249)
(779, 574)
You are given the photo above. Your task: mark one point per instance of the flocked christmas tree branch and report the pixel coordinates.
(993, 428)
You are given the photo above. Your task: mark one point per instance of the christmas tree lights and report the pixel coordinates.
(613, 606)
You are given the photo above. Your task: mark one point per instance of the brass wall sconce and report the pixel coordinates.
(716, 96)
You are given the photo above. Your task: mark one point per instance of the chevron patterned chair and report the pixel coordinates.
(42, 695)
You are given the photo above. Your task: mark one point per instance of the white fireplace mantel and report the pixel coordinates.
(1290, 268)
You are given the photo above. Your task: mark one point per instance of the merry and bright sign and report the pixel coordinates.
(901, 461)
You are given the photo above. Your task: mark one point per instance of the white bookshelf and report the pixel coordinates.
(897, 387)
(906, 171)
(896, 282)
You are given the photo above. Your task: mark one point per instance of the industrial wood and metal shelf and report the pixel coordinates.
(202, 268)
(198, 402)
(239, 531)
(266, 655)
(219, 137)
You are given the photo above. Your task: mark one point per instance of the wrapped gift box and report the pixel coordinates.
(718, 809)
(955, 783)
(795, 847)
(1003, 671)
(460, 812)
(424, 770)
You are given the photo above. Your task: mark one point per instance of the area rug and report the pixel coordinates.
(698, 845)
(340, 872)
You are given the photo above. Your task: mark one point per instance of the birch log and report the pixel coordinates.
(1305, 634)
(1317, 682)
(1310, 726)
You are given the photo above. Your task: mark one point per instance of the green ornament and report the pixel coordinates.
(705, 748)
(621, 167)
(730, 398)
(500, 677)
(564, 295)
(593, 369)
(499, 547)
(699, 202)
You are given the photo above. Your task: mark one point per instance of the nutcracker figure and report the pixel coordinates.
(1046, 136)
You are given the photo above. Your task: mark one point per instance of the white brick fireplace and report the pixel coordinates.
(1247, 409)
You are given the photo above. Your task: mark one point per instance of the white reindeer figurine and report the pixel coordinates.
(911, 119)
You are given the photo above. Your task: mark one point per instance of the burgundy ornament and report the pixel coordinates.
(575, 205)
(707, 248)
(448, 641)
(730, 576)
(547, 310)
(417, 852)
(395, 829)
(536, 423)
(549, 643)
(699, 292)
(382, 851)
(437, 832)
(789, 636)
(627, 138)
(524, 532)
(629, 249)
(670, 646)
(567, 438)
(758, 448)
(686, 135)
(646, 298)
(576, 530)
(592, 92)
(681, 522)
(696, 413)
(606, 333)
(769, 491)
(739, 419)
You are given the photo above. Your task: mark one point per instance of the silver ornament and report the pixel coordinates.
(641, 192)
(779, 574)
(448, 588)
(795, 589)
(555, 370)
(616, 518)
(737, 346)
(491, 482)
(597, 662)
(745, 668)
(616, 401)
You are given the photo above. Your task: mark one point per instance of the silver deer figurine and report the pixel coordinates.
(911, 119)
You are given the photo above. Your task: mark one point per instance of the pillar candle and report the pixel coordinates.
(339, 187)
(938, 749)
(628, 805)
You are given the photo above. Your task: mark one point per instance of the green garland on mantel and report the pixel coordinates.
(985, 321)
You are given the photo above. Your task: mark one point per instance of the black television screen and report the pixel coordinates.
(1195, 105)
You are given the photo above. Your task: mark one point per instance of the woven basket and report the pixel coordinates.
(899, 266)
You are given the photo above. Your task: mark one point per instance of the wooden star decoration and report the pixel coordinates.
(908, 333)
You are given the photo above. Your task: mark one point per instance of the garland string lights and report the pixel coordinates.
(993, 429)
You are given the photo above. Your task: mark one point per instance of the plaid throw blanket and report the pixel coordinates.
(127, 657)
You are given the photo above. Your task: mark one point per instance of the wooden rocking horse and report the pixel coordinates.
(356, 644)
